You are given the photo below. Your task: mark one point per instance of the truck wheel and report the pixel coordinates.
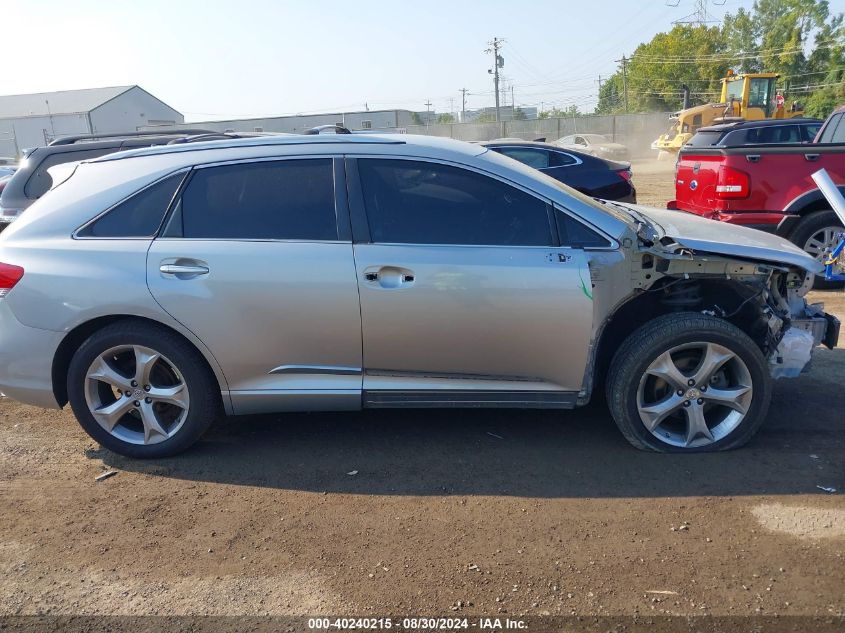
(814, 233)
(688, 382)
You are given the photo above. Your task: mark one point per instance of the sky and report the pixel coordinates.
(216, 59)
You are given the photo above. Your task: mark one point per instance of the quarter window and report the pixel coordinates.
(138, 216)
(274, 200)
(410, 202)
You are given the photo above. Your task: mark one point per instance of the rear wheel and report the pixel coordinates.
(688, 382)
(141, 390)
(815, 234)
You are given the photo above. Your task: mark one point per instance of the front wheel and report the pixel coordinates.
(141, 390)
(688, 382)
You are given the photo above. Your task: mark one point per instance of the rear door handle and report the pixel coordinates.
(811, 157)
(183, 269)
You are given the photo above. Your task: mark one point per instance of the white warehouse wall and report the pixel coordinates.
(30, 131)
(131, 110)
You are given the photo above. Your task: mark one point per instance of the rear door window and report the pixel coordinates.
(272, 200)
(414, 202)
(40, 181)
(774, 134)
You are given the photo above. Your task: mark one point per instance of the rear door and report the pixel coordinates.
(256, 260)
(464, 289)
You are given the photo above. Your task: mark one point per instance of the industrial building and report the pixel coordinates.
(32, 120)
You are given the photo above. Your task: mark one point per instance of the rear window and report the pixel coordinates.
(704, 139)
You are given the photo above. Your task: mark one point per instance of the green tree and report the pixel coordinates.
(799, 39)
(445, 118)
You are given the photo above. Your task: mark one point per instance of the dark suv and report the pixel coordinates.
(31, 181)
(765, 132)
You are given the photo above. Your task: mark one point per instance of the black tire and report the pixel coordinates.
(202, 386)
(809, 226)
(648, 342)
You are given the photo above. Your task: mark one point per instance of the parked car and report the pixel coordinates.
(31, 180)
(595, 145)
(158, 287)
(767, 187)
(596, 177)
(762, 132)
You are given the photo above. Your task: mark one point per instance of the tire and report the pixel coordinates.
(637, 391)
(808, 228)
(182, 401)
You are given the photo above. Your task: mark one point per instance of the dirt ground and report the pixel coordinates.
(433, 512)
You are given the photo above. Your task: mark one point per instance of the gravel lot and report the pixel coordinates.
(448, 512)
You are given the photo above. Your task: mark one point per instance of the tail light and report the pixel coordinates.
(9, 276)
(732, 183)
(625, 173)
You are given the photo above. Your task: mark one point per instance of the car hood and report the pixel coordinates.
(711, 236)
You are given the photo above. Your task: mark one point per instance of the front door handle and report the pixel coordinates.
(390, 276)
(183, 270)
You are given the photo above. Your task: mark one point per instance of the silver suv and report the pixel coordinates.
(156, 289)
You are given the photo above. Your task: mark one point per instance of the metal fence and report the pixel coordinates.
(637, 131)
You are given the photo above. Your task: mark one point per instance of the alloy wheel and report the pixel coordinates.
(136, 394)
(821, 241)
(694, 394)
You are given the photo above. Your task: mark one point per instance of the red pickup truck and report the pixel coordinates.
(767, 187)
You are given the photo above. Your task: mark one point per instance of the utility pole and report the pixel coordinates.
(624, 62)
(463, 92)
(427, 105)
(498, 62)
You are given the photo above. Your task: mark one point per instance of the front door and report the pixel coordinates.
(464, 287)
(253, 264)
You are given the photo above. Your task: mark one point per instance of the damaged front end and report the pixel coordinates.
(766, 300)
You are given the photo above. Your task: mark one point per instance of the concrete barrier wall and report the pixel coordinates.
(637, 131)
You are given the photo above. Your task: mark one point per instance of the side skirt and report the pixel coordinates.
(382, 399)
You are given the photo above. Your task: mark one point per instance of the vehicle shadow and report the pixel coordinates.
(545, 454)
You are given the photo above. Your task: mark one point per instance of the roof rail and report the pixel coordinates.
(221, 136)
(70, 140)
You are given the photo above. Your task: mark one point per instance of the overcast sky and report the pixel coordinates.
(215, 59)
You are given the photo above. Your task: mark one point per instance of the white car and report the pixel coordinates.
(595, 145)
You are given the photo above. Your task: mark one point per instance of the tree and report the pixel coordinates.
(445, 118)
(799, 39)
(519, 114)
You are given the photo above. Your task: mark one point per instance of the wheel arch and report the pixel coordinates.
(76, 336)
(638, 309)
(802, 206)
